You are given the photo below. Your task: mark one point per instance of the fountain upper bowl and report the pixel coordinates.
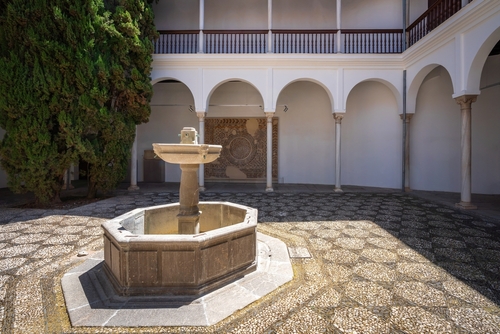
(187, 153)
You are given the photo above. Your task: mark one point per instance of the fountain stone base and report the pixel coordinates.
(144, 255)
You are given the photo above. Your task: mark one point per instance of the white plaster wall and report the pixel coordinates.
(435, 136)
(165, 123)
(286, 14)
(306, 135)
(380, 14)
(371, 138)
(486, 131)
(257, 77)
(325, 77)
(3, 174)
(235, 99)
(415, 9)
(235, 14)
(177, 14)
(300, 14)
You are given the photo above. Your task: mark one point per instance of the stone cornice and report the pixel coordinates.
(278, 61)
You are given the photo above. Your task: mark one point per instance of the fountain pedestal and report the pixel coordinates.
(189, 155)
(189, 195)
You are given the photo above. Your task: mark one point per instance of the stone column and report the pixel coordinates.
(338, 121)
(201, 140)
(269, 165)
(407, 151)
(465, 102)
(133, 165)
(202, 26)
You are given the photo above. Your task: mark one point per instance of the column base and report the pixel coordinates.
(338, 190)
(202, 188)
(133, 188)
(66, 188)
(269, 189)
(407, 189)
(466, 206)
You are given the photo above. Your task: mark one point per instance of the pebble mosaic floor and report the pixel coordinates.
(381, 263)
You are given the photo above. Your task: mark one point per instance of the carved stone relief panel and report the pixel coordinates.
(244, 148)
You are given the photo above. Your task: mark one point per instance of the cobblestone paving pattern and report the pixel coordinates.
(381, 263)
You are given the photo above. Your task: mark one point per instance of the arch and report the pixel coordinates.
(395, 91)
(170, 78)
(319, 83)
(473, 75)
(371, 135)
(219, 84)
(414, 86)
(160, 80)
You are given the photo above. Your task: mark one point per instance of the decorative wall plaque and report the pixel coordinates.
(244, 148)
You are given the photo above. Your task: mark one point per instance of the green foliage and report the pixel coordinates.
(74, 82)
(122, 89)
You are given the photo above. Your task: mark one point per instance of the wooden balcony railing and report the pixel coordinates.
(373, 41)
(431, 18)
(243, 41)
(177, 41)
(304, 41)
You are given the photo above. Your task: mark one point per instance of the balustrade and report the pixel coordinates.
(373, 41)
(178, 41)
(431, 18)
(245, 41)
(304, 41)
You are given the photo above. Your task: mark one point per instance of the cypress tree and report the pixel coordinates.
(41, 46)
(74, 82)
(123, 67)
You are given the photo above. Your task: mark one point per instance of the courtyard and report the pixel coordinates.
(364, 262)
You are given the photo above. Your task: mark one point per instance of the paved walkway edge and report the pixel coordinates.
(91, 300)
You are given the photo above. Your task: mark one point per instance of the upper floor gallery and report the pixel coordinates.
(297, 26)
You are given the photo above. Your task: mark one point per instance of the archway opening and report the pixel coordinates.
(306, 134)
(236, 121)
(371, 137)
(435, 135)
(485, 124)
(172, 108)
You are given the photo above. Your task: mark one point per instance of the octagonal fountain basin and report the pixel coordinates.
(144, 255)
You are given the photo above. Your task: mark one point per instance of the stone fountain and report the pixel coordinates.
(183, 264)
(185, 248)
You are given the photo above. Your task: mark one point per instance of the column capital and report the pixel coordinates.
(201, 115)
(465, 101)
(269, 115)
(408, 117)
(338, 117)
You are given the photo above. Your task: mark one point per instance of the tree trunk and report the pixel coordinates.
(92, 189)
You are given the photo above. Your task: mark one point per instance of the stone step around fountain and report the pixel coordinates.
(91, 300)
